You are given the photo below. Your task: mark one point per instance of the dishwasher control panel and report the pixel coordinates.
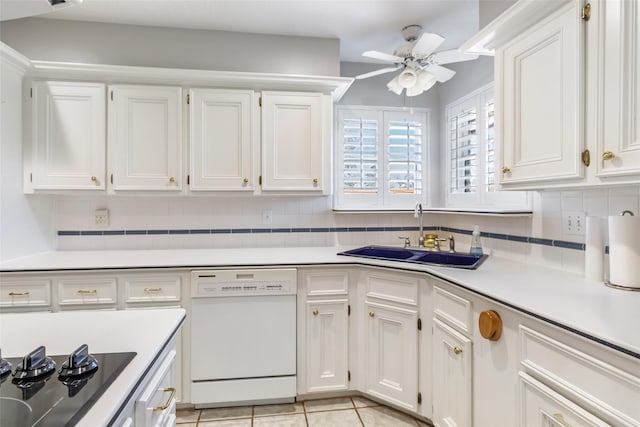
(220, 283)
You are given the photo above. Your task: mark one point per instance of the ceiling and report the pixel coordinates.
(359, 24)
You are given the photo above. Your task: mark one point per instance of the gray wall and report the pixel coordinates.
(114, 44)
(469, 76)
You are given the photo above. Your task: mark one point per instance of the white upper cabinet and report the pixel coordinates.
(145, 137)
(540, 102)
(568, 92)
(296, 139)
(68, 136)
(223, 139)
(618, 138)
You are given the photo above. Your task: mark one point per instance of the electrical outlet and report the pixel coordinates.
(574, 223)
(102, 217)
(267, 216)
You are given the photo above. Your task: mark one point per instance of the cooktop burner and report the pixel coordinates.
(40, 390)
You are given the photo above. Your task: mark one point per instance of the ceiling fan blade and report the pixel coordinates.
(426, 44)
(377, 72)
(383, 56)
(453, 55)
(442, 74)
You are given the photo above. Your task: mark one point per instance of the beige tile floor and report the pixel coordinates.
(337, 412)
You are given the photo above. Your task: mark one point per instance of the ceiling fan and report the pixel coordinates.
(421, 66)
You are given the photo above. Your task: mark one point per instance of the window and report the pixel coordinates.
(381, 158)
(471, 155)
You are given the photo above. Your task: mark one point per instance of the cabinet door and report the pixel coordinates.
(619, 139)
(392, 342)
(326, 345)
(294, 135)
(145, 137)
(540, 101)
(222, 140)
(451, 377)
(68, 136)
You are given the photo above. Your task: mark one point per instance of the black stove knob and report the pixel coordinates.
(34, 365)
(5, 368)
(80, 363)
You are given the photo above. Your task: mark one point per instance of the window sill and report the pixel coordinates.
(455, 211)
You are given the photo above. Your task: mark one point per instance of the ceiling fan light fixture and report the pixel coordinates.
(394, 86)
(414, 90)
(425, 80)
(408, 78)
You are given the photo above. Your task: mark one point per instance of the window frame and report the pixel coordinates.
(382, 200)
(481, 198)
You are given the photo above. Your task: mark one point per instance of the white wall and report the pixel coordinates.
(113, 44)
(26, 223)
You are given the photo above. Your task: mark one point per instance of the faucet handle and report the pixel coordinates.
(407, 241)
(452, 243)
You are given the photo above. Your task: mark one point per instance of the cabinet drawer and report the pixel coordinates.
(158, 288)
(393, 287)
(593, 383)
(454, 310)
(327, 283)
(81, 291)
(539, 405)
(25, 293)
(156, 405)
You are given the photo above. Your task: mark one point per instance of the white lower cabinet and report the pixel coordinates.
(452, 376)
(392, 347)
(156, 405)
(323, 330)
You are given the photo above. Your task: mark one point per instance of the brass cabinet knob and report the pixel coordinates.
(457, 350)
(371, 314)
(490, 325)
(315, 312)
(608, 155)
(315, 181)
(94, 179)
(172, 180)
(505, 169)
(245, 181)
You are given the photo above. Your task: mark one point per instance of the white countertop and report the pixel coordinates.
(569, 299)
(104, 332)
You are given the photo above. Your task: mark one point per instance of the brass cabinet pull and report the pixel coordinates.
(245, 181)
(505, 169)
(172, 180)
(608, 155)
(168, 402)
(152, 290)
(371, 314)
(586, 12)
(315, 312)
(84, 292)
(315, 180)
(18, 294)
(94, 179)
(560, 419)
(457, 350)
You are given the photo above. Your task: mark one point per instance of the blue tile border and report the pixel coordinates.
(498, 236)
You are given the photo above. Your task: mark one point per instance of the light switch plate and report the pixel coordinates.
(102, 217)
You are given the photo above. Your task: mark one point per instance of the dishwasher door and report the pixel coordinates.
(243, 337)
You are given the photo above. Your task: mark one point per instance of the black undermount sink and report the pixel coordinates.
(417, 256)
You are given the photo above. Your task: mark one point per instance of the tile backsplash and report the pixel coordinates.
(214, 222)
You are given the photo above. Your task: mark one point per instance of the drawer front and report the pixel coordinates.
(593, 383)
(156, 406)
(324, 282)
(160, 288)
(87, 291)
(541, 406)
(25, 293)
(452, 309)
(393, 287)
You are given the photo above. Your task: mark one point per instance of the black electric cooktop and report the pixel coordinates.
(43, 391)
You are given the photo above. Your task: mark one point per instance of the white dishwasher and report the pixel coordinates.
(243, 336)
